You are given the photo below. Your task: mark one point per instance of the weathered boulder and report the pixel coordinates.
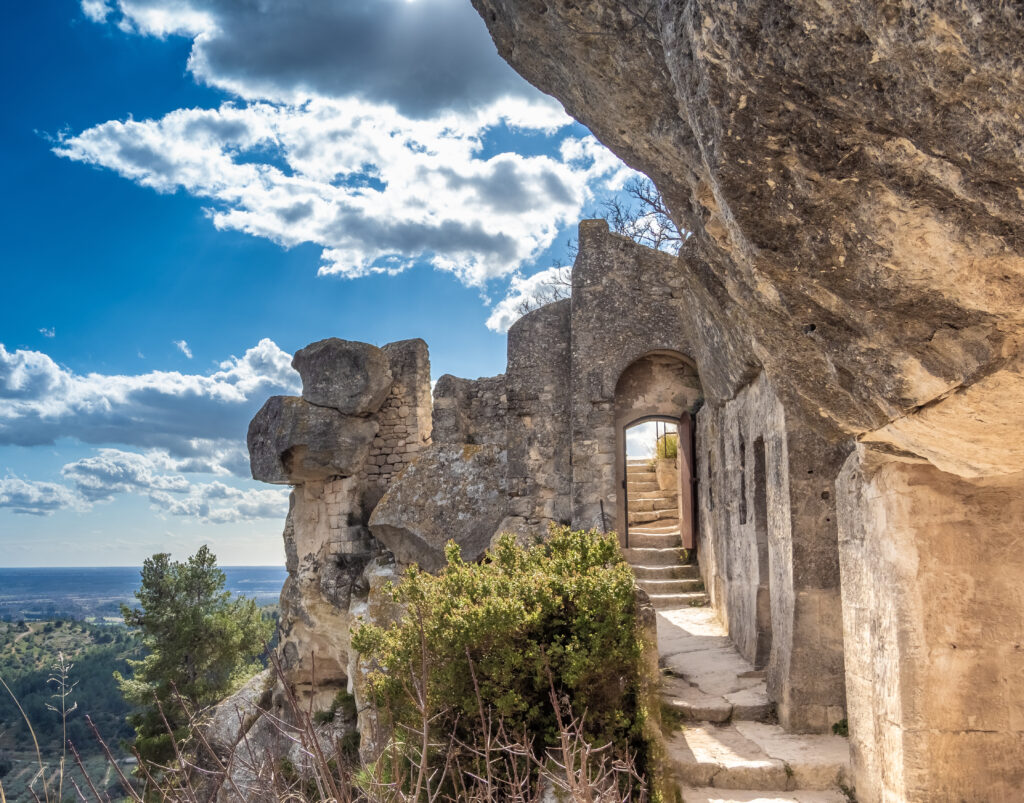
(352, 377)
(452, 492)
(292, 441)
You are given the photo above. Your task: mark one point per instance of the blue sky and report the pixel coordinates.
(195, 189)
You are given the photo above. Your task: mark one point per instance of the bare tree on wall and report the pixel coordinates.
(641, 215)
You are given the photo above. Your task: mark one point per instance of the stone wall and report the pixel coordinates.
(627, 302)
(933, 613)
(539, 382)
(404, 419)
(470, 410)
(768, 549)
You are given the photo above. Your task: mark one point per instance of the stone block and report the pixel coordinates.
(353, 378)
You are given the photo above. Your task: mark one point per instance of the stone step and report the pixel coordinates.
(645, 556)
(680, 571)
(710, 795)
(654, 540)
(653, 501)
(755, 755)
(672, 585)
(655, 494)
(642, 516)
(659, 526)
(694, 704)
(671, 601)
(634, 486)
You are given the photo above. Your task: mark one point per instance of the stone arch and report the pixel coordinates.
(658, 385)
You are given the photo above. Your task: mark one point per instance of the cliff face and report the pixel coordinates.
(852, 174)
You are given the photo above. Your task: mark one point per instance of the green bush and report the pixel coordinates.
(668, 446)
(558, 615)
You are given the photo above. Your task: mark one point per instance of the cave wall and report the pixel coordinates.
(933, 613)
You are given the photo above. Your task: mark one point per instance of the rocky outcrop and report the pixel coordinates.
(292, 441)
(452, 493)
(853, 180)
(353, 378)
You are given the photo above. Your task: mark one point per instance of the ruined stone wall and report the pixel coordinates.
(470, 410)
(404, 419)
(934, 620)
(627, 302)
(539, 382)
(768, 549)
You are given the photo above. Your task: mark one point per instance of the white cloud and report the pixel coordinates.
(199, 420)
(527, 290)
(37, 498)
(183, 348)
(48, 332)
(220, 504)
(96, 10)
(112, 471)
(376, 190)
(364, 128)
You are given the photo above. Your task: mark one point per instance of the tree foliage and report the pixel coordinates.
(491, 642)
(201, 645)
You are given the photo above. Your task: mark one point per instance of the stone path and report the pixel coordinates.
(655, 547)
(728, 750)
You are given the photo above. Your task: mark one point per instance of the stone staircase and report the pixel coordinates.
(729, 750)
(655, 546)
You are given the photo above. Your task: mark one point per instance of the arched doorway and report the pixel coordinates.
(657, 491)
(655, 399)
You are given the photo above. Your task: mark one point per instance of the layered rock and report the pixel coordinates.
(363, 416)
(852, 178)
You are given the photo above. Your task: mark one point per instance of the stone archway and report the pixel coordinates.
(659, 386)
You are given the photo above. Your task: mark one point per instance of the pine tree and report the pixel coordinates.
(201, 645)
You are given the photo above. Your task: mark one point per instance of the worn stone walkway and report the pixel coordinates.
(729, 750)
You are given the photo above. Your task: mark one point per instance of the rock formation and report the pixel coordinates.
(852, 178)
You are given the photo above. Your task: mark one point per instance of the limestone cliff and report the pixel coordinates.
(853, 179)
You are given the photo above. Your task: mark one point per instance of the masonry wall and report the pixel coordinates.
(404, 419)
(768, 550)
(627, 301)
(538, 382)
(470, 411)
(933, 611)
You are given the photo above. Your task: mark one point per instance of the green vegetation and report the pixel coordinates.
(668, 446)
(515, 645)
(201, 644)
(29, 654)
(841, 728)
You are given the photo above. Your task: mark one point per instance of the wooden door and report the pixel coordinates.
(687, 506)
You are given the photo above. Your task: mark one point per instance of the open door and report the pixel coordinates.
(687, 498)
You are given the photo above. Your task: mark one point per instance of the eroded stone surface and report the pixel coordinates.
(451, 492)
(353, 378)
(292, 441)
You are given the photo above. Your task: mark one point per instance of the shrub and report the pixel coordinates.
(502, 641)
(668, 446)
